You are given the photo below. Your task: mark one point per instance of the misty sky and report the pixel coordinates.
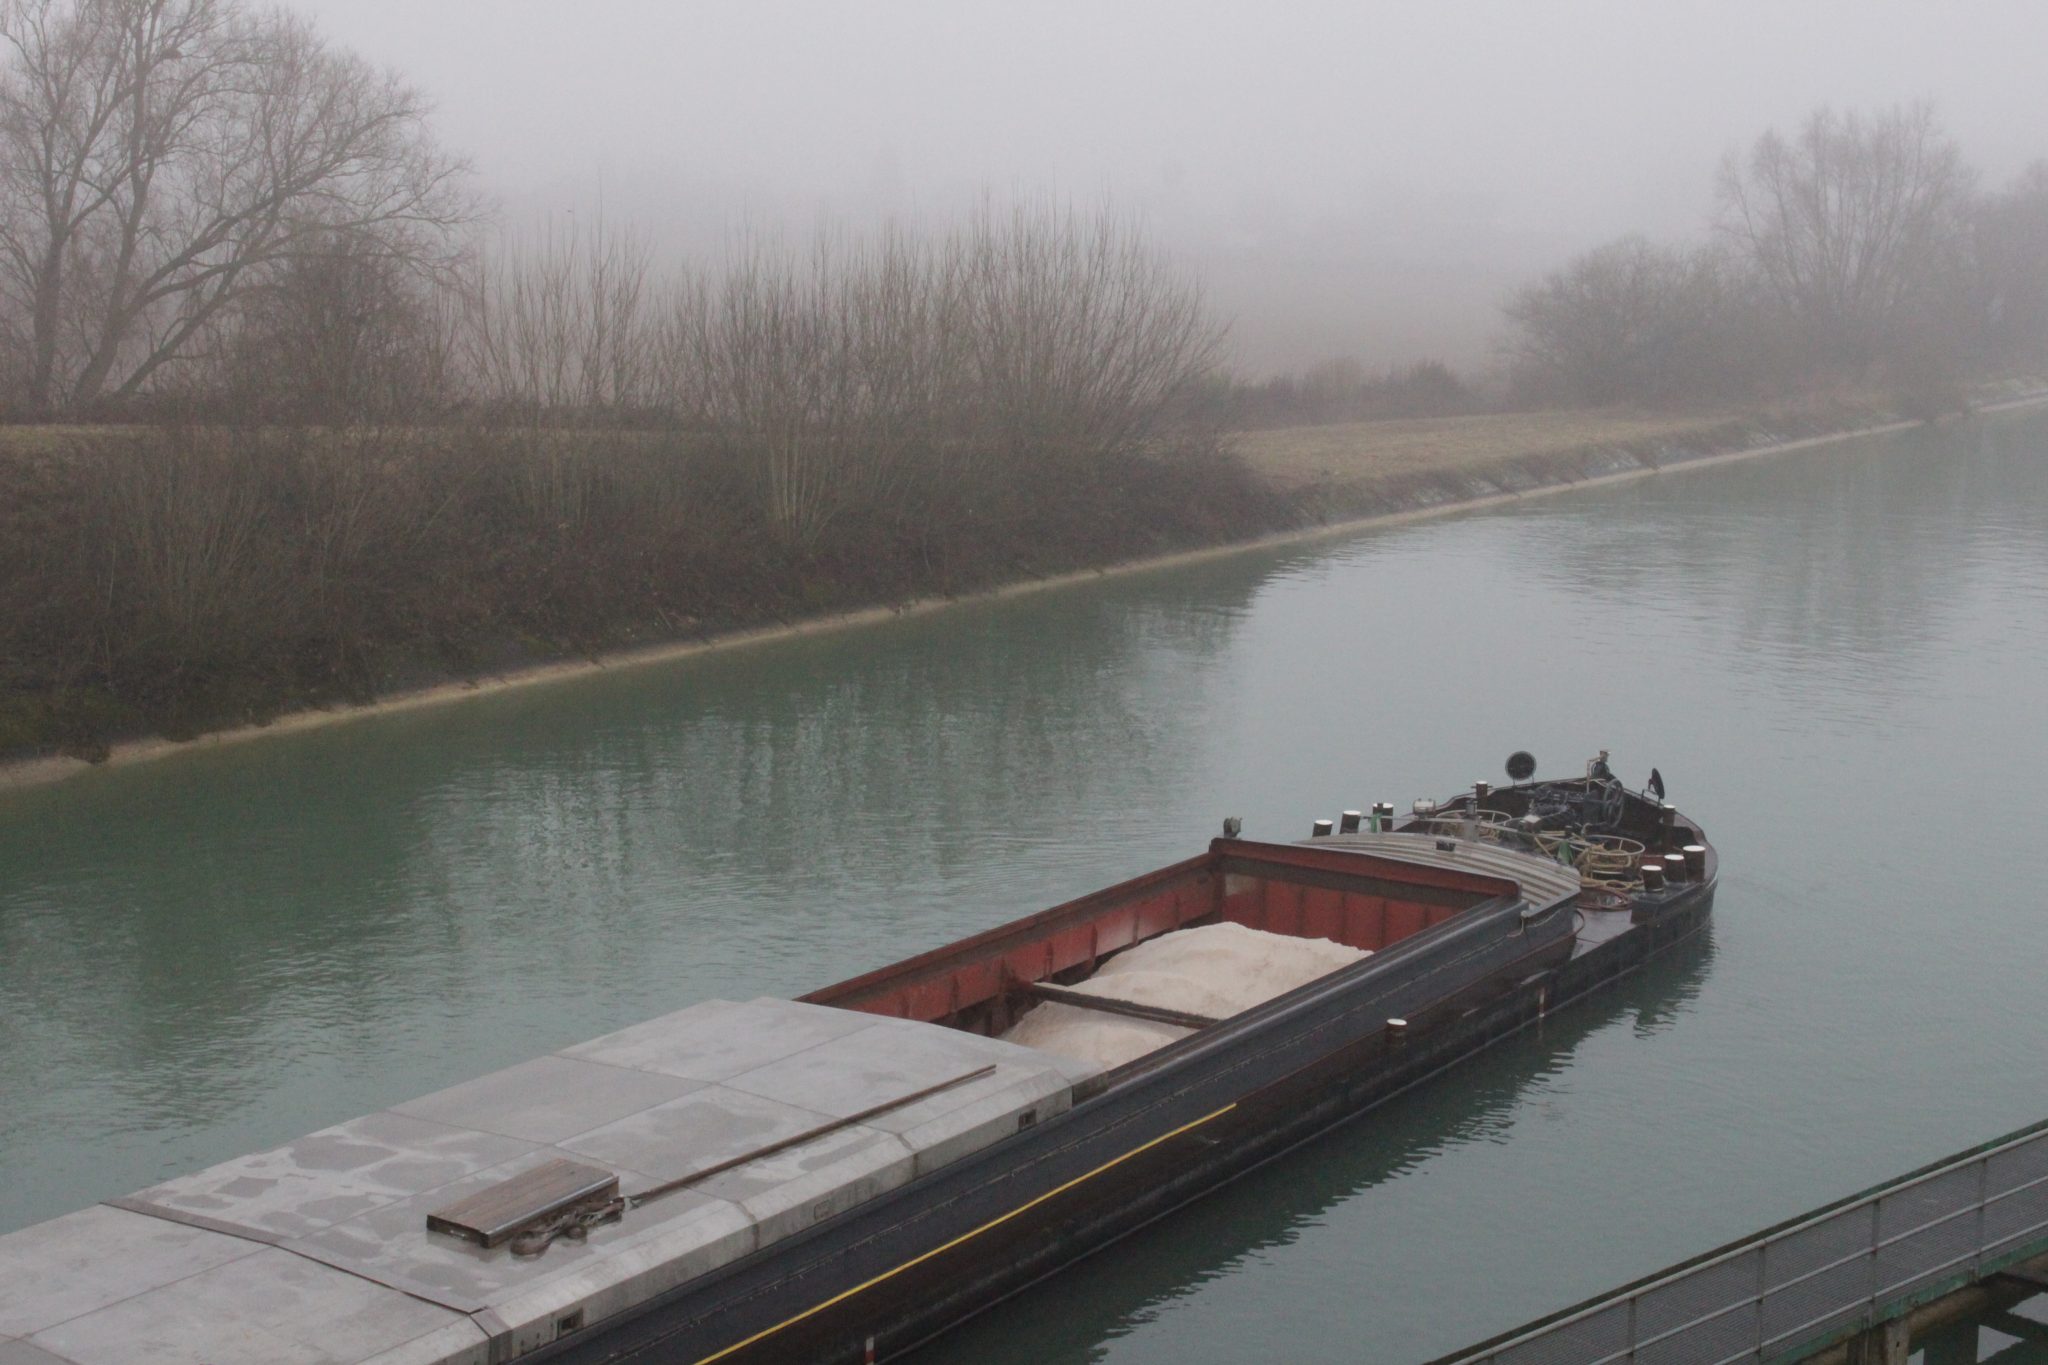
(1364, 179)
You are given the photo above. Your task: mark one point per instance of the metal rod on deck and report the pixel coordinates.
(1156, 1014)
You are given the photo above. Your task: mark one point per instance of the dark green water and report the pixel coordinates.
(1838, 658)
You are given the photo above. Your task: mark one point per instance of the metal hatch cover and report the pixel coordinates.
(496, 1214)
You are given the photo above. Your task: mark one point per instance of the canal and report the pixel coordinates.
(1837, 658)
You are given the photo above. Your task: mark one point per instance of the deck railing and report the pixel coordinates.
(1783, 1294)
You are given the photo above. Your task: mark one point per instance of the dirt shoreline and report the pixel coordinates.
(1460, 489)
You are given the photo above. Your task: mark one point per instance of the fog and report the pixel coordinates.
(1348, 179)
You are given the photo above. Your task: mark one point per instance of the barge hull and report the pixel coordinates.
(840, 1177)
(882, 1278)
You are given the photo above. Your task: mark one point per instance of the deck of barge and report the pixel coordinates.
(318, 1251)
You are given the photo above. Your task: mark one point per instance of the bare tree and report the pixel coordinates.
(1027, 345)
(1633, 321)
(157, 157)
(2009, 269)
(340, 331)
(565, 321)
(1082, 335)
(1850, 222)
(825, 377)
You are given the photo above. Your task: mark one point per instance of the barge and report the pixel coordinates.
(842, 1176)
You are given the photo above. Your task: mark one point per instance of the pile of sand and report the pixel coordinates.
(1217, 970)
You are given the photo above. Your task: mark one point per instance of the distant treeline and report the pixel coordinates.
(1859, 252)
(208, 210)
(1860, 249)
(371, 441)
(663, 456)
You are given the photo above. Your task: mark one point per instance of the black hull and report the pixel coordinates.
(887, 1275)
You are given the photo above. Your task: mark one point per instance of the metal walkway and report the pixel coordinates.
(1792, 1291)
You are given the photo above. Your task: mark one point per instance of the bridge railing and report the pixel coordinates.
(1794, 1289)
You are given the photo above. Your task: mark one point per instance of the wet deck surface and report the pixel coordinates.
(318, 1251)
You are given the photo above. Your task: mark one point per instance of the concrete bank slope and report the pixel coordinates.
(1335, 508)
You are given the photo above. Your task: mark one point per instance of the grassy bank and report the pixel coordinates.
(175, 582)
(1373, 469)
(1302, 457)
(170, 584)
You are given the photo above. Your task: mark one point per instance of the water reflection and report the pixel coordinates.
(234, 947)
(1868, 566)
(2018, 1336)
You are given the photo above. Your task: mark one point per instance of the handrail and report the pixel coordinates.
(1875, 1300)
